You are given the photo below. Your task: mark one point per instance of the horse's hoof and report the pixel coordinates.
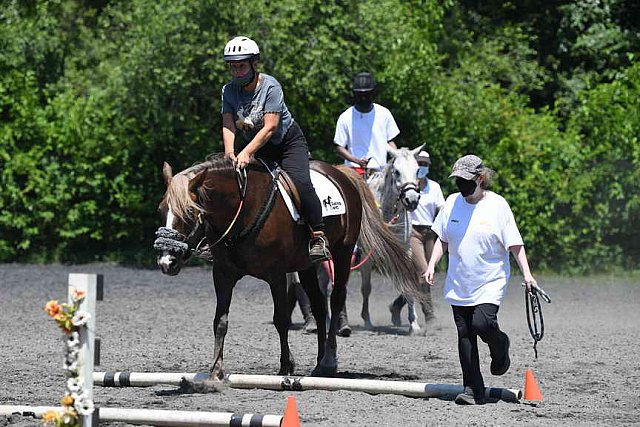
(324, 371)
(414, 329)
(345, 331)
(201, 386)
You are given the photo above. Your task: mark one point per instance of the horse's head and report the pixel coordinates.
(184, 228)
(404, 173)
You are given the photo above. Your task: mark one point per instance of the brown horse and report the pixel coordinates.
(250, 232)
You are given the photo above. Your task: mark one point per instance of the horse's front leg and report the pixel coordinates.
(223, 284)
(365, 288)
(282, 320)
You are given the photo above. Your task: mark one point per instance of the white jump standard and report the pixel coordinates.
(295, 383)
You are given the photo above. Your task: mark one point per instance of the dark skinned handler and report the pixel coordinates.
(477, 228)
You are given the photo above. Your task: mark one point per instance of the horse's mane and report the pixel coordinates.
(178, 196)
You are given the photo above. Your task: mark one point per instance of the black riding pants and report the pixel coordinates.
(473, 322)
(292, 154)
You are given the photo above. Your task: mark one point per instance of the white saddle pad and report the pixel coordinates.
(329, 195)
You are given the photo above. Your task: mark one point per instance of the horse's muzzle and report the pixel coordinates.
(169, 264)
(410, 199)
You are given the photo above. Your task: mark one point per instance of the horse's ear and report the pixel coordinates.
(167, 173)
(394, 152)
(196, 181)
(417, 150)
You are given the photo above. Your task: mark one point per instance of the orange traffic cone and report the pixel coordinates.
(532, 392)
(291, 417)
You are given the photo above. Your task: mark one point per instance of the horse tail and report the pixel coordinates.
(387, 252)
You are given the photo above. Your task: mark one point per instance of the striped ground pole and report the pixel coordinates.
(291, 383)
(158, 417)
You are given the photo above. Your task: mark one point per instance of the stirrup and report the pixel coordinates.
(319, 247)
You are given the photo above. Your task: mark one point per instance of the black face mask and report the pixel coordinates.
(466, 186)
(363, 101)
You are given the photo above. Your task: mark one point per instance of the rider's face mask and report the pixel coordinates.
(242, 72)
(423, 171)
(466, 186)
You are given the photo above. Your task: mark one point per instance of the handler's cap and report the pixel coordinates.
(363, 82)
(467, 167)
(424, 157)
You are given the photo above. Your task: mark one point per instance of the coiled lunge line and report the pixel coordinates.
(535, 321)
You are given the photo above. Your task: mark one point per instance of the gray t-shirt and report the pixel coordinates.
(250, 107)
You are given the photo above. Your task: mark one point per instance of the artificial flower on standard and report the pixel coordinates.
(75, 402)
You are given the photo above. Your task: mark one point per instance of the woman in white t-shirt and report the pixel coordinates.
(477, 228)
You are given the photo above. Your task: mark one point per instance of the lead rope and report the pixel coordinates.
(535, 320)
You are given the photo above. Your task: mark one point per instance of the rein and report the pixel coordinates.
(241, 177)
(535, 321)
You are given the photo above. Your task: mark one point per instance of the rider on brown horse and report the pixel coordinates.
(253, 103)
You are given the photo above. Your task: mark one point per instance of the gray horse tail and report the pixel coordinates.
(387, 251)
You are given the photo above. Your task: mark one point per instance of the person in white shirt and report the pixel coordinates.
(365, 130)
(364, 133)
(477, 228)
(421, 240)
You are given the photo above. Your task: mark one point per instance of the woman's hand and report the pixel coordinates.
(243, 159)
(430, 276)
(231, 156)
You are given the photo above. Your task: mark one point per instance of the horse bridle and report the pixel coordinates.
(172, 241)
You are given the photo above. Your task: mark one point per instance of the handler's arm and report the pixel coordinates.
(345, 154)
(228, 135)
(439, 248)
(521, 258)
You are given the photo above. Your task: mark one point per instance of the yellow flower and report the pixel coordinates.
(67, 400)
(52, 308)
(50, 417)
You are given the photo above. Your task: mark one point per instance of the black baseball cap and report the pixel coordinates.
(363, 82)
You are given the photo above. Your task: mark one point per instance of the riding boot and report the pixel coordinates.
(395, 308)
(319, 247)
(344, 330)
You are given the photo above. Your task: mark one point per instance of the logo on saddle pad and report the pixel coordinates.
(328, 204)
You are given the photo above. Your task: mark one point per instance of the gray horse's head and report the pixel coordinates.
(403, 171)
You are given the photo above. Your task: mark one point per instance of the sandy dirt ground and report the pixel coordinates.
(588, 366)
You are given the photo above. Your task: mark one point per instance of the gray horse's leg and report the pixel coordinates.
(281, 320)
(365, 288)
(414, 326)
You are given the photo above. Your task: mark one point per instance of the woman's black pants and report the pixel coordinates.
(472, 322)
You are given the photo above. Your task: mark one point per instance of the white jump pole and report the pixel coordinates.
(281, 383)
(159, 417)
(89, 284)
